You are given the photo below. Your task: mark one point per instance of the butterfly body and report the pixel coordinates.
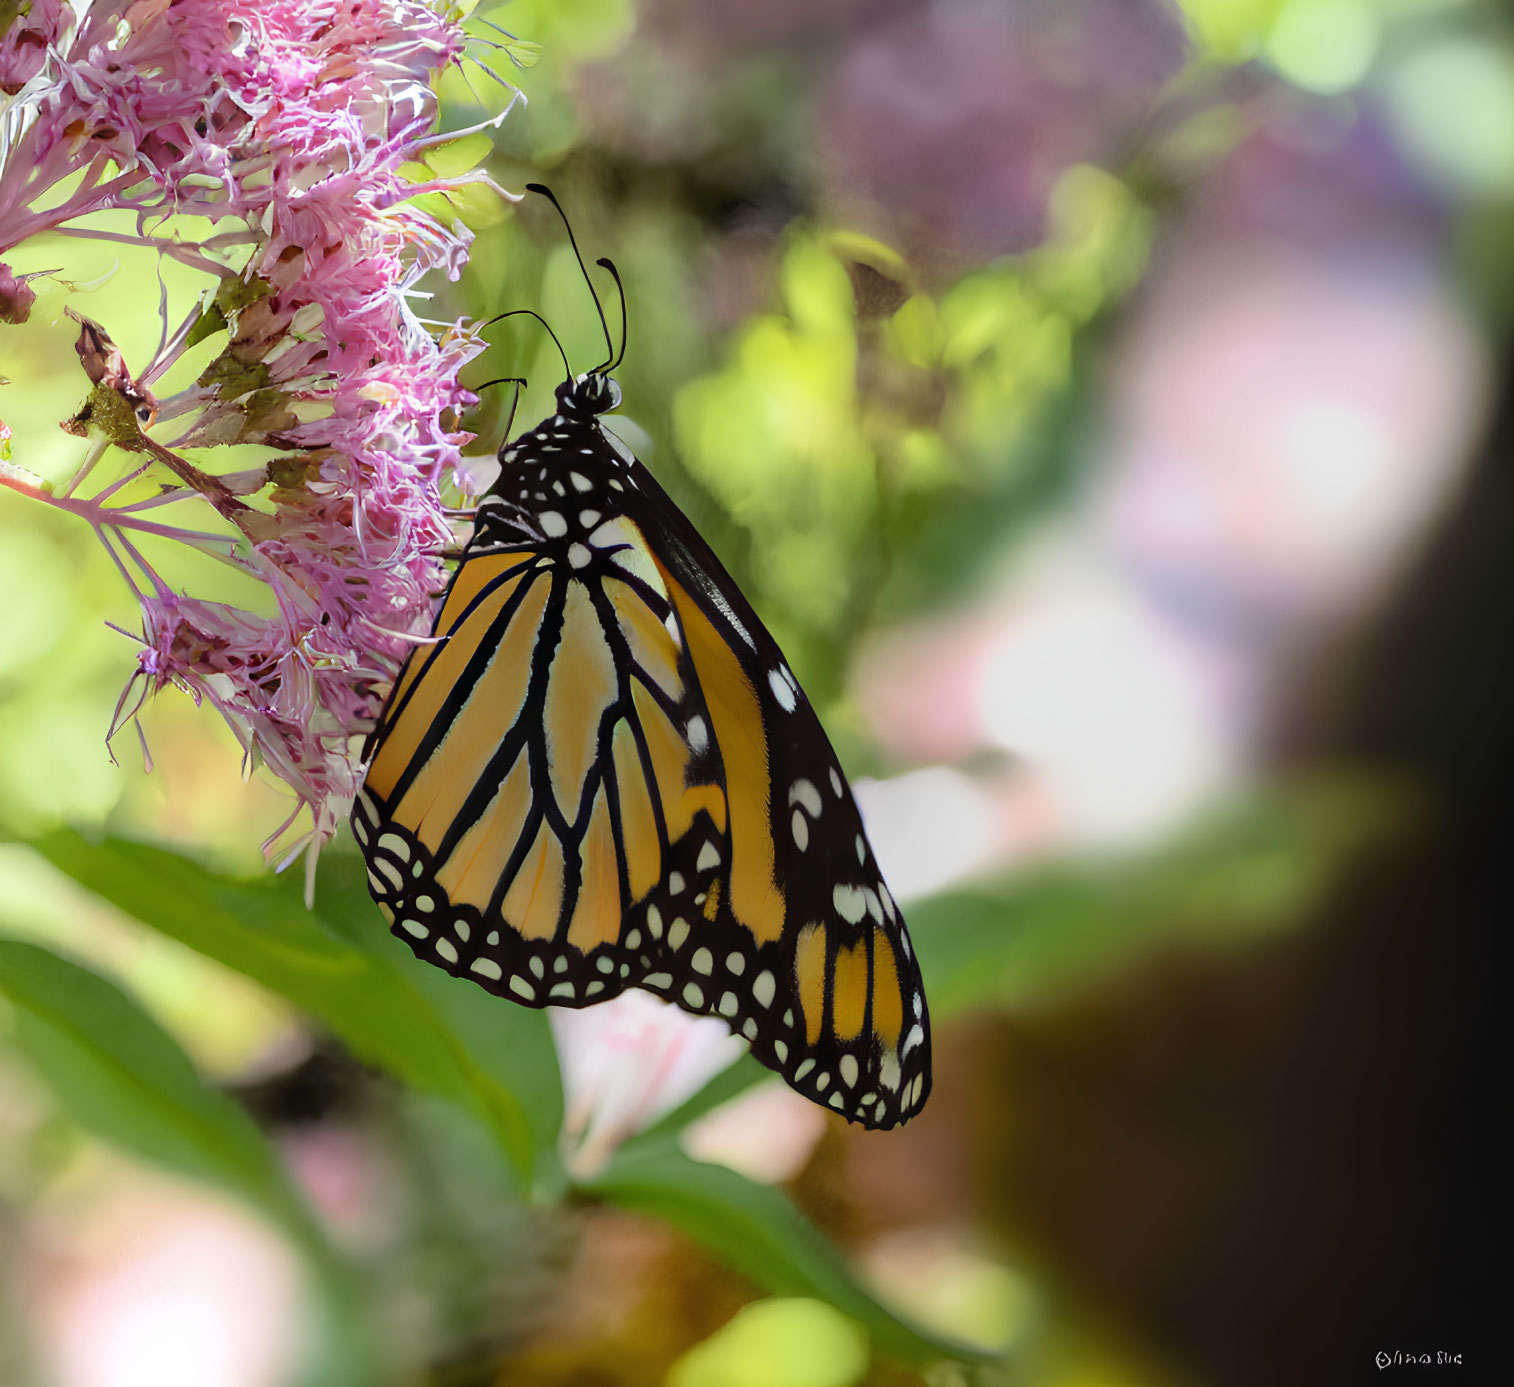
(601, 774)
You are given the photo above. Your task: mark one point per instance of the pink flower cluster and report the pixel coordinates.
(286, 125)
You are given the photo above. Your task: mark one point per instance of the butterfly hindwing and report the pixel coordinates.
(847, 1024)
(601, 774)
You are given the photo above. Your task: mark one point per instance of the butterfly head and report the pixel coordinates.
(590, 394)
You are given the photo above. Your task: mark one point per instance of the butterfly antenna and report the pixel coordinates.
(531, 313)
(621, 290)
(547, 193)
(520, 383)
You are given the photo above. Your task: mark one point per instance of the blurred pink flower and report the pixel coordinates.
(626, 1063)
(1296, 398)
(158, 1284)
(947, 126)
(340, 1174)
(289, 127)
(767, 1133)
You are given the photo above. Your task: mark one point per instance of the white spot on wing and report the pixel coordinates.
(390, 871)
(804, 792)
(552, 524)
(781, 691)
(850, 903)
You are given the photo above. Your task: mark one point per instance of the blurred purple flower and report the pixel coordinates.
(287, 126)
(948, 126)
(703, 32)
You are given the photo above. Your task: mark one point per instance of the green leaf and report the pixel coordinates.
(118, 1074)
(758, 1230)
(123, 1077)
(452, 157)
(341, 964)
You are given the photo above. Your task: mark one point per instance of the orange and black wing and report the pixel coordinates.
(844, 1018)
(600, 774)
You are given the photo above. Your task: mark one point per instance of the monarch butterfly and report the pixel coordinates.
(601, 774)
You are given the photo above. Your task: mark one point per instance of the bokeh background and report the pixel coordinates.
(1107, 405)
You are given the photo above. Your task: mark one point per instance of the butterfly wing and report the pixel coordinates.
(600, 774)
(525, 796)
(836, 1005)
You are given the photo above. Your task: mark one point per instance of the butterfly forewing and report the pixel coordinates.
(601, 774)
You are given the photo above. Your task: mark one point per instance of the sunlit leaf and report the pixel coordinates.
(783, 1342)
(450, 158)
